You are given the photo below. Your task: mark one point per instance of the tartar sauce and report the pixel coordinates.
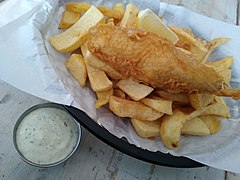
(46, 135)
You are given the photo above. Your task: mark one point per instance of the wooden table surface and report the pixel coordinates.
(94, 159)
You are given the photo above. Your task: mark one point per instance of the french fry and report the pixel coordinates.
(189, 31)
(226, 75)
(116, 12)
(119, 93)
(188, 42)
(212, 123)
(160, 104)
(222, 107)
(112, 73)
(68, 19)
(219, 108)
(133, 89)
(73, 37)
(179, 97)
(84, 49)
(132, 109)
(98, 79)
(172, 125)
(184, 51)
(103, 97)
(147, 128)
(221, 64)
(76, 66)
(112, 13)
(129, 19)
(200, 100)
(78, 8)
(195, 127)
(119, 7)
(211, 46)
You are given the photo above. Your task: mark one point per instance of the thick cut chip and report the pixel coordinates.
(119, 93)
(179, 97)
(185, 51)
(195, 127)
(116, 12)
(119, 7)
(221, 108)
(188, 53)
(103, 97)
(129, 19)
(73, 37)
(98, 79)
(171, 126)
(211, 46)
(223, 67)
(221, 64)
(188, 42)
(94, 61)
(133, 89)
(212, 123)
(147, 128)
(84, 49)
(78, 8)
(218, 108)
(76, 66)
(160, 104)
(68, 19)
(189, 31)
(132, 109)
(226, 75)
(200, 100)
(113, 13)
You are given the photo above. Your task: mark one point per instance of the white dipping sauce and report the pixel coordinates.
(47, 135)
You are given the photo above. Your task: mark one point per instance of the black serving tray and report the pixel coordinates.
(122, 145)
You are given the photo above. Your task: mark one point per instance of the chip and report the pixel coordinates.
(76, 66)
(147, 128)
(133, 89)
(126, 108)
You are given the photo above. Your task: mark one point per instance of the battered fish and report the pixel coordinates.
(149, 59)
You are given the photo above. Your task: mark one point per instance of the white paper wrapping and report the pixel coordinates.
(29, 63)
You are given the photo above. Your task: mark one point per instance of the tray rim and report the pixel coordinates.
(157, 158)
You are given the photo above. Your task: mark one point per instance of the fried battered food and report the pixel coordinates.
(149, 59)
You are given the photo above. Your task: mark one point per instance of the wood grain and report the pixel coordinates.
(222, 10)
(238, 13)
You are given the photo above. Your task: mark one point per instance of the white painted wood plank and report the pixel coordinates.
(238, 13)
(232, 176)
(159, 172)
(224, 10)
